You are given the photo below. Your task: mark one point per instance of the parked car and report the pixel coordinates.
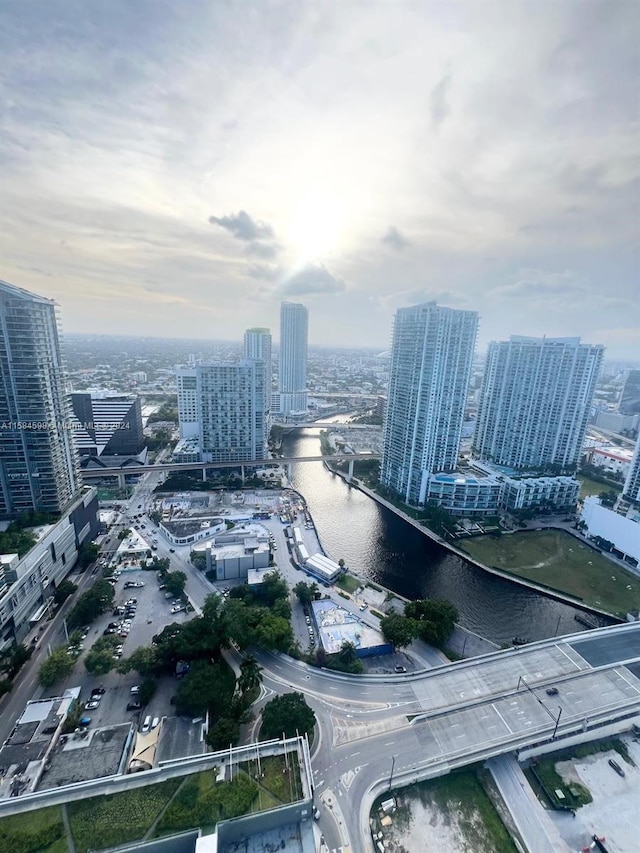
(146, 725)
(552, 691)
(133, 706)
(177, 608)
(399, 668)
(92, 705)
(613, 763)
(98, 691)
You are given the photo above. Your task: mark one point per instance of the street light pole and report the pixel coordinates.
(393, 764)
(557, 722)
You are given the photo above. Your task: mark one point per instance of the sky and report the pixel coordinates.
(179, 168)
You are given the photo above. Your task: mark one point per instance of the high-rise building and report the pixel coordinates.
(231, 403)
(630, 397)
(109, 425)
(431, 357)
(535, 403)
(188, 417)
(292, 372)
(631, 490)
(38, 462)
(257, 346)
(221, 408)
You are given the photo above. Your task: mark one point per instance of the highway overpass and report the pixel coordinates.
(176, 467)
(384, 731)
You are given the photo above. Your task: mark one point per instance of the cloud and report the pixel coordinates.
(535, 282)
(312, 279)
(438, 103)
(263, 250)
(265, 272)
(243, 227)
(395, 239)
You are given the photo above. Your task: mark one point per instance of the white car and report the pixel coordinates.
(177, 608)
(91, 706)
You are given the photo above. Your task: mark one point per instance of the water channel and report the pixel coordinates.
(377, 544)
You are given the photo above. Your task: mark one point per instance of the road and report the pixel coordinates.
(538, 832)
(424, 723)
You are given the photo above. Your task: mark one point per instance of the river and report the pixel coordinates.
(377, 544)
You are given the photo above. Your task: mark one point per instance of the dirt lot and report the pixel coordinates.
(448, 815)
(613, 814)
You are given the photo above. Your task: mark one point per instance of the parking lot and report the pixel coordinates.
(153, 613)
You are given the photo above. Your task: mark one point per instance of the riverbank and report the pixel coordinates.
(558, 595)
(556, 559)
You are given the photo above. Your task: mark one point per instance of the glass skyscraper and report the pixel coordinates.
(431, 358)
(38, 462)
(535, 403)
(292, 372)
(257, 346)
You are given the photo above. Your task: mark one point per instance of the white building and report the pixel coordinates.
(257, 346)
(622, 532)
(631, 490)
(535, 403)
(231, 409)
(188, 402)
(612, 459)
(431, 358)
(221, 410)
(292, 372)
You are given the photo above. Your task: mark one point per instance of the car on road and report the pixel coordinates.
(613, 763)
(399, 668)
(363, 606)
(172, 550)
(316, 813)
(552, 691)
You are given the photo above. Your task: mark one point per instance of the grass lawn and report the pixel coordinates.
(593, 487)
(348, 583)
(460, 794)
(561, 561)
(40, 831)
(115, 819)
(285, 787)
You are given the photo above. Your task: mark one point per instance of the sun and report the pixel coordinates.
(317, 228)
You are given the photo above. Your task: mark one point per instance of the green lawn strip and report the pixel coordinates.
(201, 802)
(544, 773)
(593, 487)
(118, 818)
(285, 787)
(462, 794)
(562, 562)
(41, 830)
(348, 583)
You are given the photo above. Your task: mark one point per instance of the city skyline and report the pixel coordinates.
(356, 157)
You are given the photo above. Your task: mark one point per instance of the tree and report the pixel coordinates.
(608, 499)
(13, 660)
(175, 582)
(305, 592)
(250, 675)
(87, 554)
(223, 733)
(63, 591)
(398, 630)
(100, 659)
(273, 632)
(206, 687)
(287, 714)
(91, 604)
(434, 618)
(271, 589)
(235, 616)
(147, 690)
(56, 667)
(144, 660)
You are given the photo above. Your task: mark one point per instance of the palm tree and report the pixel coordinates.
(250, 675)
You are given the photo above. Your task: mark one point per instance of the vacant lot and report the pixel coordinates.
(561, 561)
(452, 814)
(593, 487)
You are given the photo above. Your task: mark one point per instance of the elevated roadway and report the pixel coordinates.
(381, 731)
